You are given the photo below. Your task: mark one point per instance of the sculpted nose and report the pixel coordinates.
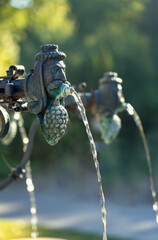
(63, 75)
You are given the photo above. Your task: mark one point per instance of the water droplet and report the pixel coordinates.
(34, 220)
(130, 109)
(153, 193)
(30, 188)
(16, 116)
(29, 181)
(25, 140)
(155, 206)
(34, 235)
(33, 210)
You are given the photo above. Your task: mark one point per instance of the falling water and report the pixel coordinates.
(29, 182)
(138, 123)
(94, 153)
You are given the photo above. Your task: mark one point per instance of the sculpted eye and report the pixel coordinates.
(55, 69)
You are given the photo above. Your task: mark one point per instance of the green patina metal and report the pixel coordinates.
(55, 118)
(54, 123)
(56, 93)
(109, 100)
(109, 127)
(50, 85)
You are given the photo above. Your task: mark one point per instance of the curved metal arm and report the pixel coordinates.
(20, 170)
(107, 97)
(4, 118)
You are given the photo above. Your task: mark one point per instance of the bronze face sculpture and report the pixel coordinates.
(46, 88)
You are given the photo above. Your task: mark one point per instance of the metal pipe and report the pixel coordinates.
(12, 90)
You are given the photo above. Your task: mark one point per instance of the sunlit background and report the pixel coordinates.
(97, 36)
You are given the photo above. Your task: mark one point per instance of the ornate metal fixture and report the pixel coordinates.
(46, 93)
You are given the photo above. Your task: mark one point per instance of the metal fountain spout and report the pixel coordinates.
(46, 93)
(109, 100)
(42, 92)
(109, 95)
(105, 103)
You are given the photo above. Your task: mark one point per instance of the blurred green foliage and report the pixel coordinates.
(97, 36)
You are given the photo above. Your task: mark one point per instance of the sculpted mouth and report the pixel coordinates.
(60, 80)
(56, 84)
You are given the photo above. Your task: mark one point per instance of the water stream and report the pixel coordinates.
(138, 123)
(29, 182)
(94, 154)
